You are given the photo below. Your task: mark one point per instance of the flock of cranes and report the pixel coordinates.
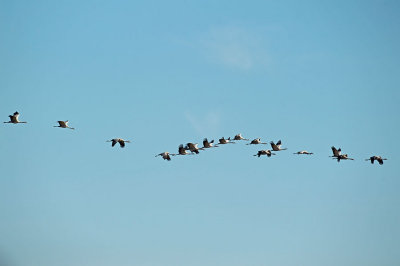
(192, 148)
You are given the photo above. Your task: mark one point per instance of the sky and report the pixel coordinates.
(314, 74)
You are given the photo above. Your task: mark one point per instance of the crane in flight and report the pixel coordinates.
(225, 141)
(208, 144)
(277, 146)
(239, 137)
(376, 158)
(166, 155)
(256, 141)
(264, 152)
(120, 141)
(14, 119)
(63, 124)
(303, 152)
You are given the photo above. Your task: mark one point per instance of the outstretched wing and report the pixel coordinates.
(121, 143)
(274, 146)
(114, 141)
(205, 142)
(62, 123)
(336, 153)
(181, 149)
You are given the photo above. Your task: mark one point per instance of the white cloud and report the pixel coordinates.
(205, 125)
(234, 47)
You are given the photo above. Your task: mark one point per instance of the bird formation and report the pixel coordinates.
(192, 148)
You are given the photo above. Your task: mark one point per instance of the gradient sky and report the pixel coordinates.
(162, 73)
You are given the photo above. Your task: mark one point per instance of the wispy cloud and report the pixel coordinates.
(234, 47)
(205, 125)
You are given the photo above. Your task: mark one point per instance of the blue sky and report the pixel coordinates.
(312, 73)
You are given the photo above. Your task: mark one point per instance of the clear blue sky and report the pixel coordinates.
(162, 73)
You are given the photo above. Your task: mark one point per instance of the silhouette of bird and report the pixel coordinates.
(342, 157)
(277, 146)
(303, 152)
(264, 152)
(225, 141)
(377, 158)
(166, 155)
(256, 141)
(182, 150)
(208, 144)
(336, 152)
(120, 141)
(14, 119)
(239, 137)
(63, 124)
(192, 147)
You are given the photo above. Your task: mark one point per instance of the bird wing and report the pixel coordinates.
(62, 123)
(114, 141)
(336, 153)
(205, 143)
(278, 144)
(121, 143)
(181, 149)
(191, 146)
(273, 145)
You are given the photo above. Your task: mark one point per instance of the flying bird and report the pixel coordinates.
(120, 141)
(336, 152)
(264, 152)
(14, 119)
(256, 141)
(63, 124)
(277, 146)
(192, 147)
(208, 144)
(225, 141)
(376, 158)
(343, 157)
(166, 155)
(239, 137)
(182, 150)
(303, 152)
